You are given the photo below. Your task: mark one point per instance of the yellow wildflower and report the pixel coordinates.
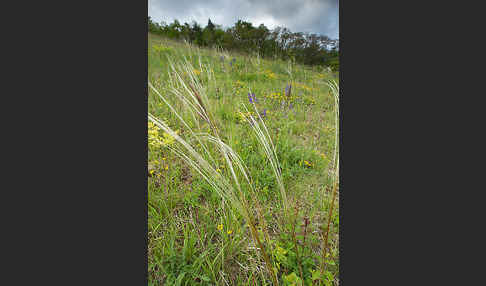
(153, 135)
(154, 138)
(230, 231)
(168, 139)
(166, 167)
(220, 227)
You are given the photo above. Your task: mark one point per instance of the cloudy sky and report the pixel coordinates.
(315, 16)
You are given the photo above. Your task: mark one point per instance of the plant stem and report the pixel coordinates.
(262, 250)
(297, 246)
(325, 242)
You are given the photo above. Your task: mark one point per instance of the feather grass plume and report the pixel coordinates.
(195, 147)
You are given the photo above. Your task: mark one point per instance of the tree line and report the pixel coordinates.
(305, 48)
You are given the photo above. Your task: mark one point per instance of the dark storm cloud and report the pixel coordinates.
(315, 16)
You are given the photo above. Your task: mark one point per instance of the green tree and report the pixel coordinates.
(210, 25)
(305, 48)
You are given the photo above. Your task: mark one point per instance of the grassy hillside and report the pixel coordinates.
(229, 226)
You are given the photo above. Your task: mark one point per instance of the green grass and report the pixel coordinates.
(198, 236)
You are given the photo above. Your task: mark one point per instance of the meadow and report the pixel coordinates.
(242, 169)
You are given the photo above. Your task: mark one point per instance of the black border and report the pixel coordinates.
(80, 206)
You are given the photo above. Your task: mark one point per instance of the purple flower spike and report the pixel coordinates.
(264, 112)
(287, 90)
(250, 98)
